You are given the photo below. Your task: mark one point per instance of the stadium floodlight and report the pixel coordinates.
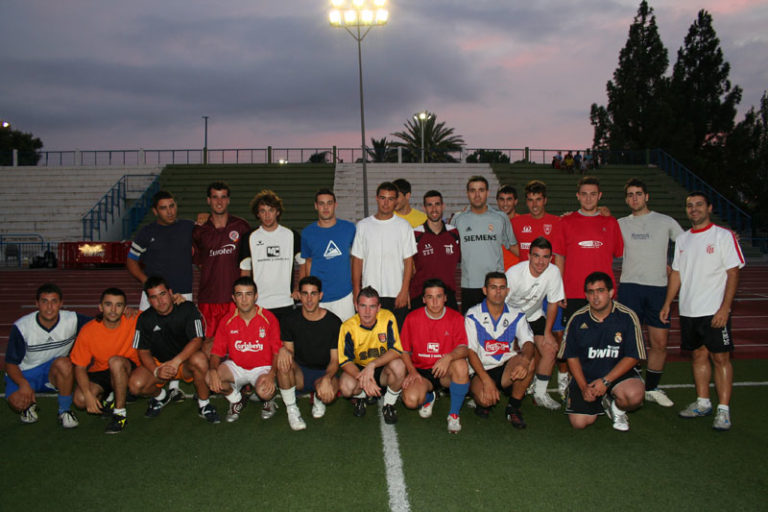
(357, 17)
(422, 118)
(5, 124)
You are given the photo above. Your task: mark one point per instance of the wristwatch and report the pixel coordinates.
(606, 382)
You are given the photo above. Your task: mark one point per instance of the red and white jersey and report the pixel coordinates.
(429, 339)
(527, 229)
(248, 345)
(702, 257)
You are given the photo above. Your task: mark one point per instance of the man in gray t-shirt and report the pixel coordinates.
(643, 279)
(483, 232)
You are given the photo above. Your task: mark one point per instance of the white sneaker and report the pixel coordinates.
(29, 415)
(619, 417)
(546, 401)
(269, 409)
(318, 407)
(562, 384)
(425, 411)
(67, 419)
(658, 396)
(294, 418)
(454, 424)
(722, 420)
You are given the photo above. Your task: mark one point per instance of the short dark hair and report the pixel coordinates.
(268, 198)
(594, 277)
(370, 292)
(403, 186)
(434, 283)
(635, 182)
(494, 275)
(541, 243)
(313, 281)
(325, 192)
(475, 178)
(536, 187)
(159, 196)
(432, 193)
(245, 281)
(153, 282)
(698, 193)
(388, 186)
(117, 292)
(507, 189)
(48, 288)
(217, 185)
(588, 180)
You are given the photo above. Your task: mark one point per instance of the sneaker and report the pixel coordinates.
(546, 401)
(268, 409)
(107, 406)
(562, 384)
(233, 413)
(29, 415)
(515, 417)
(318, 407)
(693, 411)
(482, 412)
(208, 412)
(390, 414)
(117, 424)
(176, 395)
(67, 419)
(658, 396)
(620, 419)
(359, 407)
(154, 406)
(722, 420)
(425, 411)
(294, 419)
(454, 424)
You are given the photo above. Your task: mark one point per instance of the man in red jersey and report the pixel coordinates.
(217, 252)
(590, 242)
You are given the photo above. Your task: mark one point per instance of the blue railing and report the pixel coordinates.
(110, 207)
(17, 248)
(140, 208)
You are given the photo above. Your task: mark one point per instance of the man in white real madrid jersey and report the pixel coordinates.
(706, 272)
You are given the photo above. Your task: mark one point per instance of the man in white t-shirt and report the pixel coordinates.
(382, 254)
(706, 272)
(530, 282)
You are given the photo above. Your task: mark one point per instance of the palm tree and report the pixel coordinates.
(440, 140)
(382, 150)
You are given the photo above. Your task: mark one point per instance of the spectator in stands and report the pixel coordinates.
(557, 160)
(403, 207)
(577, 162)
(589, 162)
(568, 163)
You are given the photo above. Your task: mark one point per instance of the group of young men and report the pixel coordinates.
(374, 313)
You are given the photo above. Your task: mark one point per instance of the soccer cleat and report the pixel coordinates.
(154, 406)
(722, 420)
(294, 419)
(562, 384)
(175, 395)
(454, 424)
(621, 422)
(117, 424)
(515, 417)
(318, 407)
(693, 411)
(658, 396)
(29, 415)
(107, 406)
(269, 409)
(546, 401)
(233, 413)
(617, 416)
(482, 412)
(359, 407)
(371, 400)
(67, 419)
(390, 414)
(208, 412)
(425, 411)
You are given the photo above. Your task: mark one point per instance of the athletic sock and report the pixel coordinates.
(430, 396)
(615, 409)
(234, 396)
(652, 378)
(289, 396)
(540, 384)
(725, 408)
(174, 384)
(65, 403)
(161, 396)
(119, 412)
(360, 395)
(703, 403)
(458, 392)
(202, 403)
(390, 397)
(515, 402)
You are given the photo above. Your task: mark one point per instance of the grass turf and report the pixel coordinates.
(179, 462)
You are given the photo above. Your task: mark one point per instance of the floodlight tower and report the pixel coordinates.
(421, 118)
(357, 17)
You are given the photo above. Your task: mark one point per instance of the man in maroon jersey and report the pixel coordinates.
(216, 244)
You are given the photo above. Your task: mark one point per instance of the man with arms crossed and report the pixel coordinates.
(705, 271)
(500, 351)
(103, 357)
(531, 283)
(36, 358)
(435, 355)
(369, 355)
(603, 343)
(643, 281)
(169, 338)
(309, 357)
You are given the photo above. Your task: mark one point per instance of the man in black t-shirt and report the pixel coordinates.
(168, 338)
(309, 358)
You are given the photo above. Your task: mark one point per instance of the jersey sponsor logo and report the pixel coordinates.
(247, 346)
(618, 337)
(603, 353)
(234, 236)
(448, 248)
(641, 236)
(273, 251)
(227, 249)
(479, 238)
(547, 229)
(496, 349)
(331, 250)
(527, 229)
(371, 353)
(710, 249)
(433, 347)
(591, 244)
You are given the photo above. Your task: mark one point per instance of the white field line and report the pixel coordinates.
(398, 493)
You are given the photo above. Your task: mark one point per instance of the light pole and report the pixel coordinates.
(205, 142)
(422, 117)
(360, 15)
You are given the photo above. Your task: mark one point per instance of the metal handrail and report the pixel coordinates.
(140, 208)
(108, 208)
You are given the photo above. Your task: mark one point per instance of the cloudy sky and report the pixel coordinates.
(87, 74)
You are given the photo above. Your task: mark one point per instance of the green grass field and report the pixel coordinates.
(179, 462)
